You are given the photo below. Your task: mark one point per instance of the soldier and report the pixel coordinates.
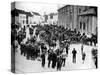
(59, 62)
(49, 57)
(54, 58)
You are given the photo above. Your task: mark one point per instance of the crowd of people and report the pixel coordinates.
(50, 41)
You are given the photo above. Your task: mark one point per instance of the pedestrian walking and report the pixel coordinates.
(59, 63)
(67, 49)
(43, 59)
(94, 57)
(64, 55)
(82, 49)
(50, 57)
(54, 59)
(83, 57)
(74, 52)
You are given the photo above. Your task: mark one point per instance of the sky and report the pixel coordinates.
(41, 8)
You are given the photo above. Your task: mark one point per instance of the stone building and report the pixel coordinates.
(81, 18)
(67, 16)
(87, 20)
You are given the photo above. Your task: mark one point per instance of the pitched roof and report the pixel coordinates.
(35, 13)
(16, 12)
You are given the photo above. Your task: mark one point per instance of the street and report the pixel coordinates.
(24, 65)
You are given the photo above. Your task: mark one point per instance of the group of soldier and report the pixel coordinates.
(56, 59)
(33, 49)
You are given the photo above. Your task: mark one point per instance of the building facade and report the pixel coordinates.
(81, 18)
(20, 17)
(51, 18)
(67, 16)
(23, 18)
(87, 20)
(35, 19)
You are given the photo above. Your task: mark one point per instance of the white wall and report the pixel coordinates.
(34, 19)
(22, 17)
(53, 20)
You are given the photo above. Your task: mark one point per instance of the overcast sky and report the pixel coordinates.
(38, 7)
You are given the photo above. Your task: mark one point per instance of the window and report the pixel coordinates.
(84, 26)
(80, 25)
(34, 22)
(51, 16)
(79, 10)
(23, 22)
(30, 22)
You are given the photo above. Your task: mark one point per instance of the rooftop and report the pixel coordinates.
(15, 12)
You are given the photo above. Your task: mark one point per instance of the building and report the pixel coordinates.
(51, 18)
(35, 19)
(20, 17)
(23, 18)
(67, 16)
(87, 20)
(81, 18)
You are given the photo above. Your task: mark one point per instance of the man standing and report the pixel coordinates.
(43, 59)
(50, 52)
(83, 57)
(82, 49)
(59, 62)
(43, 48)
(67, 49)
(64, 55)
(74, 52)
(54, 58)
